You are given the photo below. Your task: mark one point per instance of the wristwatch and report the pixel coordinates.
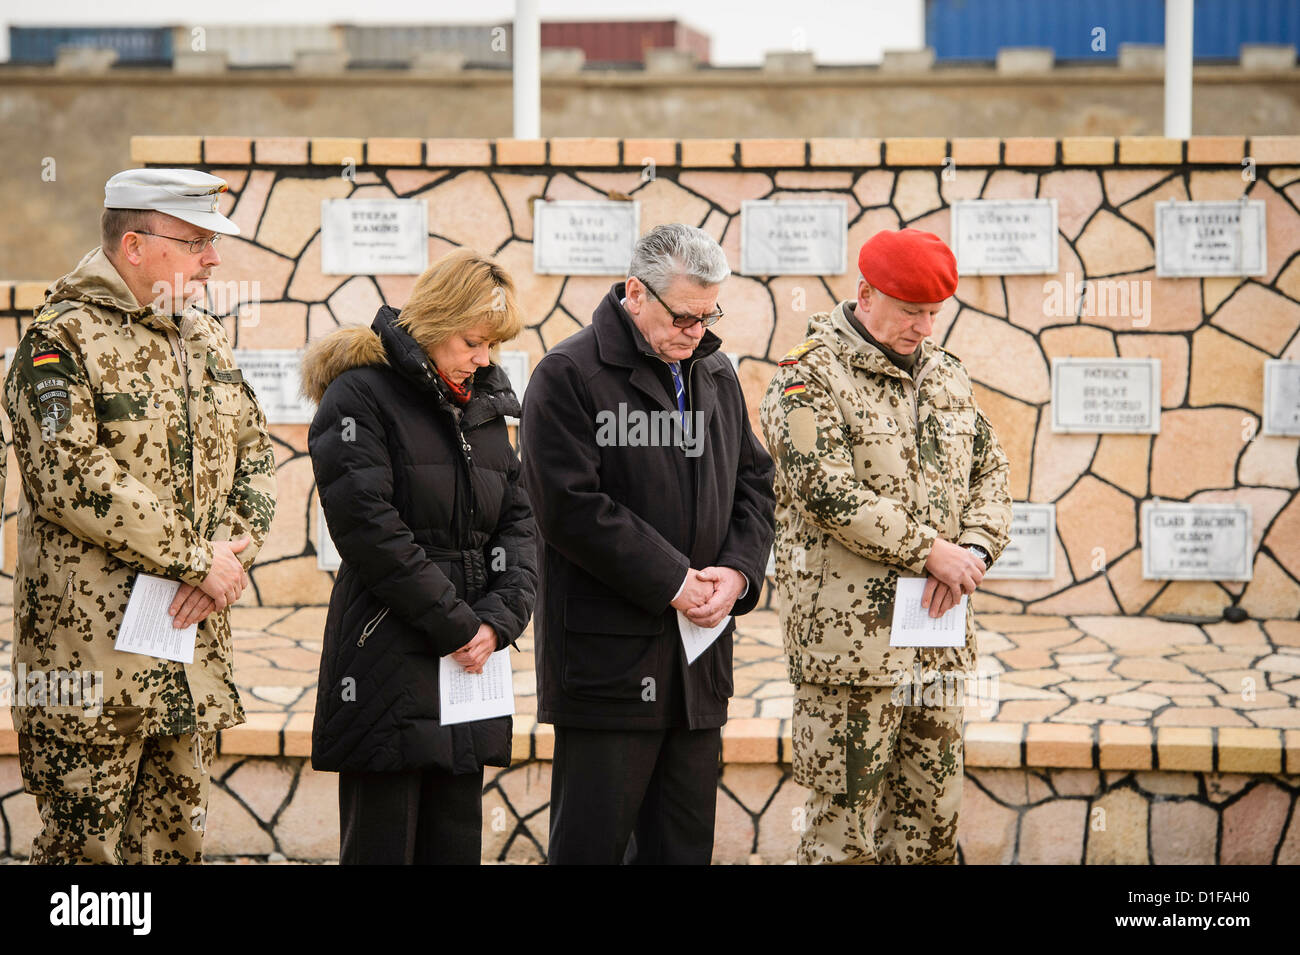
(981, 553)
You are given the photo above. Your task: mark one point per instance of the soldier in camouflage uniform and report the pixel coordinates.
(885, 466)
(140, 450)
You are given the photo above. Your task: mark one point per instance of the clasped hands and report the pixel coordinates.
(709, 595)
(950, 571)
(222, 586)
(474, 654)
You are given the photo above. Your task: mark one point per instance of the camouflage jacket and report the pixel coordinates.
(126, 465)
(871, 466)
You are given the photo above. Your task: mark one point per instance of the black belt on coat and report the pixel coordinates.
(472, 562)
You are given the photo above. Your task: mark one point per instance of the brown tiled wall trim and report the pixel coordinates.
(1018, 152)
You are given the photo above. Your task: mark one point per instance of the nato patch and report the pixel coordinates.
(49, 371)
(52, 401)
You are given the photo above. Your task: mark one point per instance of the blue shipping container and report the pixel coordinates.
(975, 29)
(133, 44)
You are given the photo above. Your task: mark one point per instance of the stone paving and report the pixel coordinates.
(1083, 670)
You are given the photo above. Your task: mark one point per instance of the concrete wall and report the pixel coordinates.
(1212, 335)
(83, 123)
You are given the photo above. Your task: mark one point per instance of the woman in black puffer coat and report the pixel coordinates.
(420, 488)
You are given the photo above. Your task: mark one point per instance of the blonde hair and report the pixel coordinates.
(461, 291)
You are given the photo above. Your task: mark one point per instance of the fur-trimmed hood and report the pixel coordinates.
(385, 343)
(337, 352)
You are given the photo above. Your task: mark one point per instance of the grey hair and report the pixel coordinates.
(676, 249)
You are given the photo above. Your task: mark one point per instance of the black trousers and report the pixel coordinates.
(424, 817)
(640, 797)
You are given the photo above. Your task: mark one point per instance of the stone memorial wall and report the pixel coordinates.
(1119, 303)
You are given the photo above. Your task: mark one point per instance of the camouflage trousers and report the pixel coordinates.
(885, 777)
(142, 800)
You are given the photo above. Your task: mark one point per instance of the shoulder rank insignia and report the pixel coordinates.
(53, 311)
(798, 351)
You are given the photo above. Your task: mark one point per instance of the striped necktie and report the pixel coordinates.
(680, 390)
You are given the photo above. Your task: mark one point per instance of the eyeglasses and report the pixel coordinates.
(684, 321)
(195, 245)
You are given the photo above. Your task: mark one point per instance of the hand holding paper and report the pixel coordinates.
(939, 598)
(914, 627)
(147, 624)
(466, 696)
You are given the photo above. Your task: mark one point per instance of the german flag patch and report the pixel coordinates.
(794, 388)
(45, 358)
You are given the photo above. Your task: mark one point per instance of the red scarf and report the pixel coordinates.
(459, 393)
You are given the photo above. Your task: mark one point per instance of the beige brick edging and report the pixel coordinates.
(22, 296)
(1106, 746)
(609, 152)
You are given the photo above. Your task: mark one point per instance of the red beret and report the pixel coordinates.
(909, 265)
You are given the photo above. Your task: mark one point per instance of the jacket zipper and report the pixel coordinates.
(467, 453)
(916, 430)
(693, 468)
(178, 351)
(370, 627)
(58, 614)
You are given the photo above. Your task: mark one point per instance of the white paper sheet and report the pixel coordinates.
(465, 697)
(147, 626)
(914, 627)
(696, 639)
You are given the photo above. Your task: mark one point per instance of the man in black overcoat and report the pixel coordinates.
(652, 497)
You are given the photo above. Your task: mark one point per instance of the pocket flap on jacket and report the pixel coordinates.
(128, 405)
(952, 402)
(877, 422)
(606, 615)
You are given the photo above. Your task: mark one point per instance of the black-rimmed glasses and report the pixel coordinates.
(684, 321)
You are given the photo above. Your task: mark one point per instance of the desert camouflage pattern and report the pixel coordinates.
(127, 464)
(137, 801)
(871, 466)
(894, 775)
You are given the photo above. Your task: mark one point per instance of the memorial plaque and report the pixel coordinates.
(1282, 397)
(515, 365)
(584, 238)
(374, 236)
(1196, 541)
(793, 237)
(327, 555)
(1004, 236)
(1031, 555)
(1196, 239)
(275, 375)
(1106, 395)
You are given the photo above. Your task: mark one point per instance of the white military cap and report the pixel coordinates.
(187, 194)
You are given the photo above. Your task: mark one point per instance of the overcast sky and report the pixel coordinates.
(837, 31)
